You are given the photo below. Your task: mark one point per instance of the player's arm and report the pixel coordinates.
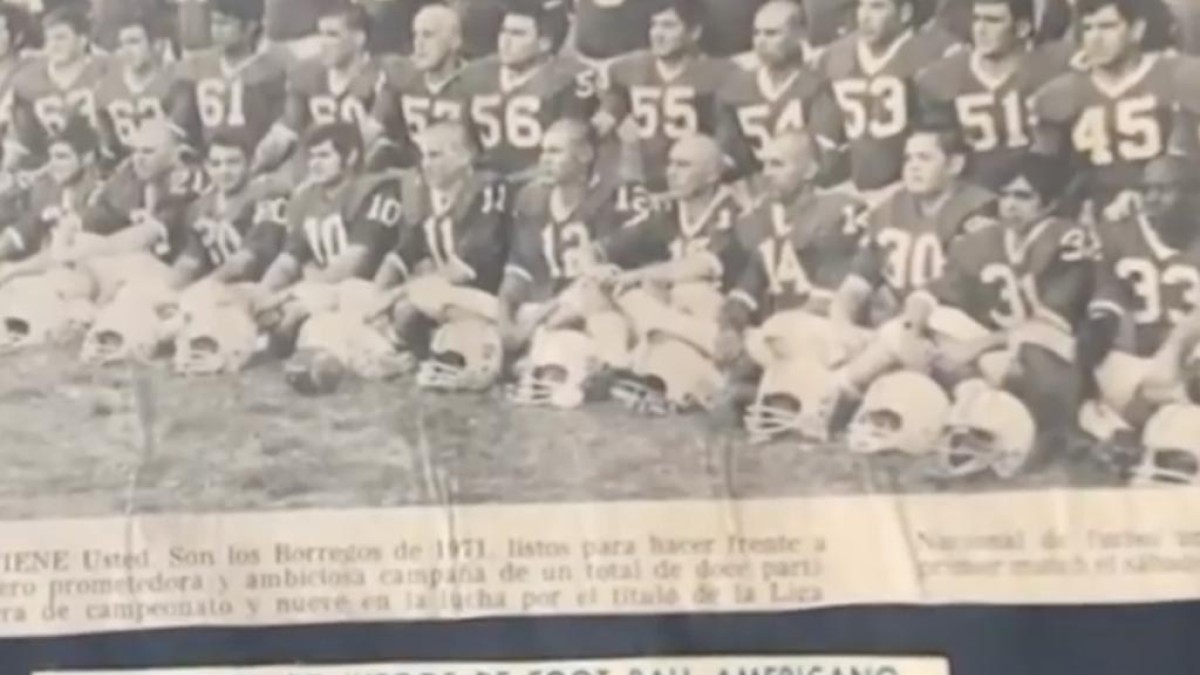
(1051, 119)
(613, 101)
(262, 244)
(183, 111)
(286, 268)
(23, 134)
(865, 275)
(1105, 314)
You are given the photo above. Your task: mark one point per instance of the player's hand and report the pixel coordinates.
(729, 346)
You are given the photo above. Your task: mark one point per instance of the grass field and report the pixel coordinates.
(75, 445)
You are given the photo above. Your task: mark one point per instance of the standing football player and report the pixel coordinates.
(513, 97)
(236, 227)
(782, 94)
(669, 92)
(141, 86)
(48, 90)
(872, 72)
(421, 89)
(1123, 109)
(986, 91)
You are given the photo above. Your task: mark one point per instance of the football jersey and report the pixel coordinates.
(248, 96)
(466, 230)
(766, 109)
(510, 113)
(877, 97)
(124, 199)
(799, 251)
(323, 221)
(43, 101)
(1002, 278)
(673, 234)
(993, 114)
(1113, 130)
(409, 102)
(1152, 285)
(220, 226)
(53, 214)
(666, 106)
(123, 105)
(551, 241)
(317, 95)
(905, 248)
(608, 28)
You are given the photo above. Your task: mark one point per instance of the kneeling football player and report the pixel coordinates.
(447, 267)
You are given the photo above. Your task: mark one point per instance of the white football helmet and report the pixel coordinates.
(1171, 442)
(795, 397)
(362, 350)
(902, 412)
(131, 327)
(669, 376)
(988, 430)
(465, 355)
(214, 340)
(561, 362)
(44, 309)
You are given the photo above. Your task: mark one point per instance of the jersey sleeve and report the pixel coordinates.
(267, 234)
(1111, 295)
(1069, 279)
(373, 219)
(1052, 109)
(952, 287)
(637, 246)
(296, 244)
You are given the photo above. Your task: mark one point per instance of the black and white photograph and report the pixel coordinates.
(262, 255)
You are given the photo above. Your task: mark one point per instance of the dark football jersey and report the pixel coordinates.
(124, 104)
(667, 106)
(905, 248)
(409, 102)
(124, 199)
(1114, 129)
(550, 240)
(673, 234)
(766, 109)
(53, 214)
(876, 93)
(1152, 285)
(248, 96)
(317, 95)
(221, 226)
(469, 230)
(1002, 278)
(43, 100)
(323, 221)
(799, 252)
(993, 114)
(510, 112)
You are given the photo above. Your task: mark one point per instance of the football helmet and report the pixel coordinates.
(560, 365)
(465, 355)
(1171, 441)
(669, 376)
(215, 339)
(902, 412)
(988, 430)
(44, 309)
(361, 349)
(795, 397)
(131, 327)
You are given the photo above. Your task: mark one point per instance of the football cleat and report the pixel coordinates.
(560, 365)
(44, 309)
(131, 327)
(1172, 448)
(794, 398)
(214, 340)
(465, 355)
(988, 431)
(901, 412)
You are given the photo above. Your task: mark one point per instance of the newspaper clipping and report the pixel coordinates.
(367, 310)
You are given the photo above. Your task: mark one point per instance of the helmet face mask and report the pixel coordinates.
(133, 326)
(669, 377)
(41, 310)
(989, 432)
(561, 365)
(465, 355)
(793, 399)
(902, 412)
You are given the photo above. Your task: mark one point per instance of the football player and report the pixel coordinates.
(236, 227)
(339, 85)
(515, 95)
(905, 250)
(669, 92)
(1148, 281)
(50, 89)
(605, 29)
(449, 263)
(872, 72)
(986, 91)
(1124, 108)
(782, 94)
(676, 268)
(559, 220)
(141, 86)
(423, 88)
(239, 84)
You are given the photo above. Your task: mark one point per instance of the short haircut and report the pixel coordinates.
(71, 16)
(690, 12)
(344, 136)
(245, 11)
(1046, 175)
(453, 128)
(150, 22)
(577, 129)
(354, 16)
(551, 20)
(1021, 10)
(948, 139)
(1130, 10)
(232, 137)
